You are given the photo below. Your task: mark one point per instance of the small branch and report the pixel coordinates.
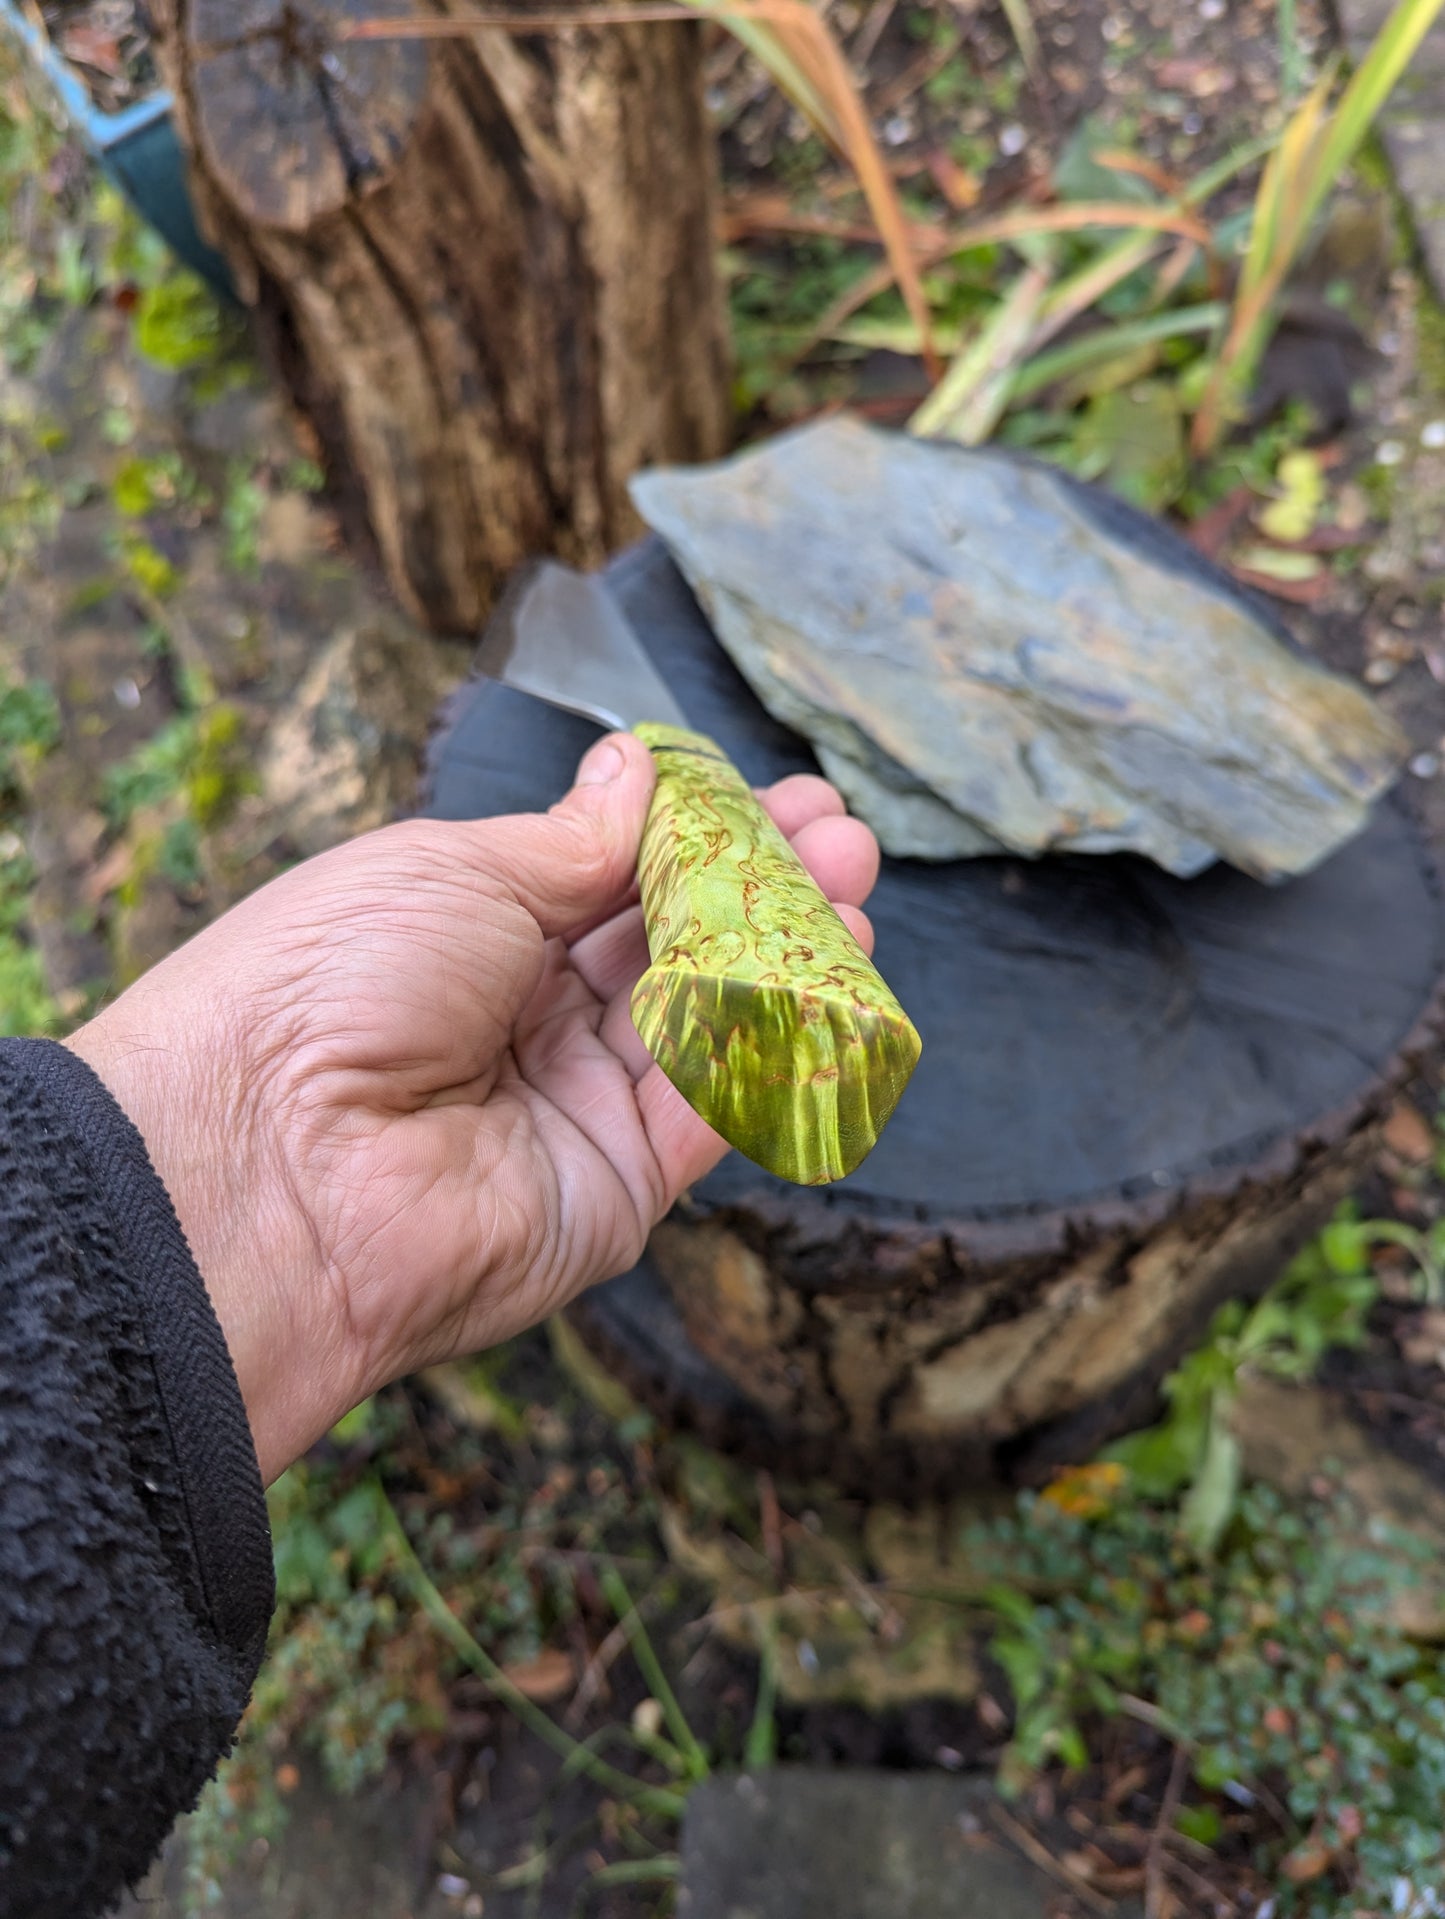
(1155, 1887)
(1033, 1848)
(455, 26)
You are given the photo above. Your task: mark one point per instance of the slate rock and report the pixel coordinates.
(988, 656)
(799, 1843)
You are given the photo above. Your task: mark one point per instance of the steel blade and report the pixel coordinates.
(560, 636)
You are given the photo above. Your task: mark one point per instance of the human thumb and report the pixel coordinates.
(571, 865)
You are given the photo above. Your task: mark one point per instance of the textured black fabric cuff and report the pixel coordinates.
(205, 1416)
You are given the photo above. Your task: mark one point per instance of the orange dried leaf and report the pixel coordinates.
(549, 1676)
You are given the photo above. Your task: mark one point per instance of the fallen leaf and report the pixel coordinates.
(1352, 508)
(1297, 592)
(1084, 1492)
(1211, 532)
(91, 47)
(1275, 563)
(1305, 1863)
(1409, 1134)
(549, 1676)
(1292, 514)
(960, 186)
(1120, 1879)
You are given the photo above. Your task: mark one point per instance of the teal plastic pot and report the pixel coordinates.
(137, 147)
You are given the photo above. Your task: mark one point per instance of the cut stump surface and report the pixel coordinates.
(1138, 1095)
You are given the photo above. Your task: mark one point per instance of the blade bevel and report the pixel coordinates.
(561, 637)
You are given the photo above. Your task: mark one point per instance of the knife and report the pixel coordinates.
(758, 1004)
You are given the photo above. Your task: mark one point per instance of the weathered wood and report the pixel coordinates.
(1137, 1096)
(484, 267)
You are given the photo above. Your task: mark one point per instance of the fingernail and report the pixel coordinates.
(602, 763)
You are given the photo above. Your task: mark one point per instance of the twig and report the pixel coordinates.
(771, 1520)
(455, 26)
(1034, 1848)
(916, 74)
(593, 1674)
(871, 32)
(1155, 1887)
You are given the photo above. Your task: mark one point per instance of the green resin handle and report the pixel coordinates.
(759, 1004)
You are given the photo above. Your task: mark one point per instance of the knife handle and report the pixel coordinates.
(759, 1005)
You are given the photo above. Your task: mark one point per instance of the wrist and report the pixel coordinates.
(227, 1181)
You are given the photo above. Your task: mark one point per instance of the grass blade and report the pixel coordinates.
(630, 1619)
(761, 1748)
(1312, 153)
(972, 396)
(1026, 35)
(1107, 342)
(472, 1653)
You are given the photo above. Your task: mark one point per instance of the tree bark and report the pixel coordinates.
(485, 267)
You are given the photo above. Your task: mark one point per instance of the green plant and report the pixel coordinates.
(26, 1007)
(242, 507)
(1313, 151)
(198, 757)
(1276, 1662)
(350, 1667)
(179, 323)
(1321, 1301)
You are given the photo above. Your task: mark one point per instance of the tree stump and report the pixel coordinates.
(483, 266)
(1138, 1096)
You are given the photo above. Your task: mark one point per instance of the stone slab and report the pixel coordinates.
(800, 1843)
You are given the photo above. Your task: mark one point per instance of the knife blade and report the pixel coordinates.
(758, 1004)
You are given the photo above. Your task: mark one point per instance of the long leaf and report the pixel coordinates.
(1104, 343)
(1026, 35)
(630, 1620)
(805, 41)
(1312, 154)
(969, 400)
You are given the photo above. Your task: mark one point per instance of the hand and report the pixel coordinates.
(397, 1097)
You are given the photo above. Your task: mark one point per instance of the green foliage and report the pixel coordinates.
(775, 304)
(1276, 1660)
(241, 511)
(147, 484)
(179, 322)
(350, 1667)
(29, 728)
(148, 567)
(29, 720)
(198, 757)
(26, 1008)
(1322, 1301)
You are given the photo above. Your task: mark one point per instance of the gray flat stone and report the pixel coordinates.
(987, 655)
(795, 1843)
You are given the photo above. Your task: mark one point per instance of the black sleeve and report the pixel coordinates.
(135, 1557)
